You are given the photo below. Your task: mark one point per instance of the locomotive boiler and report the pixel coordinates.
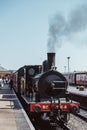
(50, 83)
(44, 90)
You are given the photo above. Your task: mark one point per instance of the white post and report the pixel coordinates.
(65, 69)
(68, 70)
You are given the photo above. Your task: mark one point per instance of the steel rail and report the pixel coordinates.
(63, 125)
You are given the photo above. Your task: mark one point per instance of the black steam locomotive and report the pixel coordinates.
(44, 90)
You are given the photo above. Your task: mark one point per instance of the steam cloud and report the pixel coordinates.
(61, 27)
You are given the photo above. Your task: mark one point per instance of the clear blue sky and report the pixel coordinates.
(24, 32)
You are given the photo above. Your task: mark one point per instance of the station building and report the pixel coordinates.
(4, 73)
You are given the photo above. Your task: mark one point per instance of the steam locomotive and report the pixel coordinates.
(44, 90)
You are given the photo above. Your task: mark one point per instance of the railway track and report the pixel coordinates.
(82, 114)
(63, 125)
(77, 123)
(46, 125)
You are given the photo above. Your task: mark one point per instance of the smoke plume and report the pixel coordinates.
(60, 27)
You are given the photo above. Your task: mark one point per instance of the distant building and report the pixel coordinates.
(4, 72)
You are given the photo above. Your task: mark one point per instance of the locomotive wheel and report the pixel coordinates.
(65, 117)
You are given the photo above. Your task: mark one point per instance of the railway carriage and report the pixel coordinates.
(77, 78)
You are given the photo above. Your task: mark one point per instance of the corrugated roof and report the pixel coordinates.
(3, 69)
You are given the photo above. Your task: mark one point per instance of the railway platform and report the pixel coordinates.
(78, 95)
(73, 89)
(12, 114)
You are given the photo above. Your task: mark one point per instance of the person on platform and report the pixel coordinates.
(11, 83)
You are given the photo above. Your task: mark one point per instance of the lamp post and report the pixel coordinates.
(65, 69)
(68, 70)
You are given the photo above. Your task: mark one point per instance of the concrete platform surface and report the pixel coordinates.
(73, 89)
(12, 115)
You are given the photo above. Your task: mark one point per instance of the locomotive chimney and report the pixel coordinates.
(51, 60)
